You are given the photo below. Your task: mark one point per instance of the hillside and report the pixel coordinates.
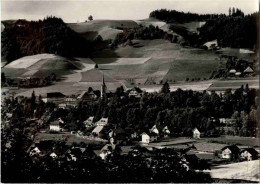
(40, 65)
(107, 29)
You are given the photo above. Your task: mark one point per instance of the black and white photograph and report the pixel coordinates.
(130, 91)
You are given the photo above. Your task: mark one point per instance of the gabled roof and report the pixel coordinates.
(55, 95)
(252, 151)
(55, 123)
(98, 129)
(248, 70)
(232, 148)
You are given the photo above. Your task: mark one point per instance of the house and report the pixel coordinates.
(166, 131)
(100, 125)
(155, 130)
(105, 151)
(248, 71)
(211, 45)
(53, 155)
(102, 122)
(145, 138)
(196, 133)
(35, 151)
(135, 92)
(55, 97)
(55, 126)
(249, 154)
(89, 122)
(230, 152)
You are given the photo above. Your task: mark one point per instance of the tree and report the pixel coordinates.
(90, 18)
(165, 88)
(3, 78)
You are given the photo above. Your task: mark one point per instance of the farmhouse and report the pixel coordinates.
(55, 126)
(196, 133)
(230, 152)
(249, 154)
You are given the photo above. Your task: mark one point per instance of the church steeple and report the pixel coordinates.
(103, 88)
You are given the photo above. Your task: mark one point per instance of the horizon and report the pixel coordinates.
(78, 11)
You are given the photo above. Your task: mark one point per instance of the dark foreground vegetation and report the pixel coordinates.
(50, 35)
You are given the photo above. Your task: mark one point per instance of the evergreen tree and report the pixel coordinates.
(165, 88)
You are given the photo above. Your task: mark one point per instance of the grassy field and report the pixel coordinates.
(246, 141)
(248, 170)
(69, 138)
(222, 85)
(107, 29)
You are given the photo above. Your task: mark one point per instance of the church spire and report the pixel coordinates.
(103, 88)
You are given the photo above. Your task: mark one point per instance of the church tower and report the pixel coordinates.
(103, 88)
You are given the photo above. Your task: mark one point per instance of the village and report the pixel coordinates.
(61, 142)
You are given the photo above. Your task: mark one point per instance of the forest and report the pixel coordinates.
(173, 16)
(50, 35)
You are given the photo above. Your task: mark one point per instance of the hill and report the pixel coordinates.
(107, 29)
(40, 65)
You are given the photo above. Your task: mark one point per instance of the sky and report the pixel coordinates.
(79, 10)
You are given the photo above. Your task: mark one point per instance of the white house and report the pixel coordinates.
(105, 151)
(53, 155)
(230, 152)
(102, 122)
(100, 125)
(248, 70)
(166, 131)
(55, 126)
(196, 133)
(35, 151)
(145, 138)
(154, 129)
(89, 122)
(249, 154)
